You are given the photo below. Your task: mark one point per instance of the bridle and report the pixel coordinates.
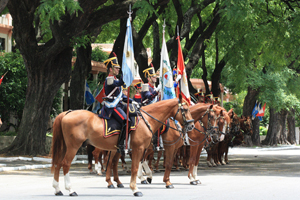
(180, 108)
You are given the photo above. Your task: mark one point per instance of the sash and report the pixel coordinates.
(114, 103)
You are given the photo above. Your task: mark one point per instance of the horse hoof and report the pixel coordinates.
(149, 180)
(198, 182)
(144, 182)
(120, 185)
(111, 186)
(138, 194)
(193, 182)
(74, 194)
(59, 193)
(170, 186)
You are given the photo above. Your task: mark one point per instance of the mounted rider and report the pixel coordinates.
(149, 95)
(113, 106)
(138, 88)
(149, 91)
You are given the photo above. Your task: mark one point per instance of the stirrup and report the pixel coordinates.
(121, 150)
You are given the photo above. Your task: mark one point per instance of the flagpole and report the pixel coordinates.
(128, 92)
(179, 81)
(5, 74)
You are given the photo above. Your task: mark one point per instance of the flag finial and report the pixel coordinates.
(130, 12)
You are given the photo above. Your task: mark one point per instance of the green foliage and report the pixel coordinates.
(99, 55)
(13, 88)
(263, 130)
(236, 104)
(52, 10)
(8, 133)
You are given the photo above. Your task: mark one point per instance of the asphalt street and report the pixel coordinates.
(253, 173)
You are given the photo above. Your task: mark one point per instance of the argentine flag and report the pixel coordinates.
(128, 56)
(89, 98)
(166, 74)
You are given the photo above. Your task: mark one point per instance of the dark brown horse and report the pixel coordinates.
(72, 129)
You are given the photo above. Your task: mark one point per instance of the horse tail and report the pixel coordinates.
(58, 149)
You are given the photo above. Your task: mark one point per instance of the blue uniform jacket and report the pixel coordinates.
(105, 111)
(149, 97)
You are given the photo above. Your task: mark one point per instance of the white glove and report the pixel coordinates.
(178, 78)
(158, 88)
(136, 104)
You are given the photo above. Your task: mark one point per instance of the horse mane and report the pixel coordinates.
(153, 107)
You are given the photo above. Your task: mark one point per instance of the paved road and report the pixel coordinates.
(253, 173)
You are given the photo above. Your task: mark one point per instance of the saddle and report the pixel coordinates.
(114, 127)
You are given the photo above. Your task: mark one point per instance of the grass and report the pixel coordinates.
(9, 133)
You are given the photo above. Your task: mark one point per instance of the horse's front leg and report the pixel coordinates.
(169, 157)
(136, 157)
(226, 155)
(192, 161)
(195, 172)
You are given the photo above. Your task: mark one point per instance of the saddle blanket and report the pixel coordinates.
(113, 127)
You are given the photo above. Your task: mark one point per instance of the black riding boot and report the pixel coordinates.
(121, 144)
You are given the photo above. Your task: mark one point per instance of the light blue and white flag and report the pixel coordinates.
(89, 98)
(128, 56)
(166, 75)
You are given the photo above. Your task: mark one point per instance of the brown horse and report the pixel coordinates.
(72, 129)
(172, 140)
(205, 130)
(224, 125)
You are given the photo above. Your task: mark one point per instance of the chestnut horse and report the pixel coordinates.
(224, 125)
(206, 130)
(172, 140)
(72, 129)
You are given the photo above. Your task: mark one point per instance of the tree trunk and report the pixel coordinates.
(282, 134)
(81, 69)
(273, 129)
(248, 106)
(291, 136)
(45, 79)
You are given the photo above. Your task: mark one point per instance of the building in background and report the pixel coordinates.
(6, 33)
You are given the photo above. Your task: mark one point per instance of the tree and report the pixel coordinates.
(49, 64)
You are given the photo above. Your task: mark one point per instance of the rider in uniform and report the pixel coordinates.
(149, 91)
(149, 94)
(200, 96)
(138, 88)
(113, 106)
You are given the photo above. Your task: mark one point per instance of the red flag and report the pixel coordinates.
(261, 112)
(1, 79)
(100, 96)
(181, 71)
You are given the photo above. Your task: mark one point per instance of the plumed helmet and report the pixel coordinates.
(138, 85)
(111, 63)
(149, 72)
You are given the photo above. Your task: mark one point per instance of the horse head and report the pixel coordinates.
(223, 122)
(212, 128)
(246, 125)
(183, 115)
(234, 124)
